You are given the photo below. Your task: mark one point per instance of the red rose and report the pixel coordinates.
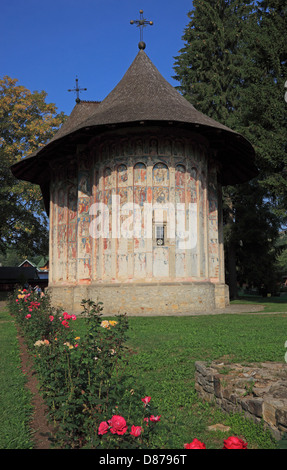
(146, 400)
(155, 419)
(65, 324)
(234, 443)
(118, 425)
(103, 428)
(66, 316)
(136, 431)
(195, 444)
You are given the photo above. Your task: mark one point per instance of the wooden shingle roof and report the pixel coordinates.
(142, 95)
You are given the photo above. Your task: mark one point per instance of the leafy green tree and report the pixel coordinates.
(27, 122)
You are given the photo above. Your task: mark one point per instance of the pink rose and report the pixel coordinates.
(146, 400)
(234, 443)
(103, 428)
(155, 419)
(28, 315)
(136, 431)
(73, 317)
(118, 425)
(66, 316)
(65, 324)
(195, 444)
(51, 318)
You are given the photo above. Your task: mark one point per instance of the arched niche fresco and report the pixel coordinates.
(122, 175)
(160, 174)
(108, 178)
(140, 174)
(180, 176)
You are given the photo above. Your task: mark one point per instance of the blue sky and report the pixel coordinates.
(46, 44)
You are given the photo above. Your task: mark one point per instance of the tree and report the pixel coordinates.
(263, 110)
(209, 67)
(228, 70)
(282, 258)
(27, 122)
(254, 239)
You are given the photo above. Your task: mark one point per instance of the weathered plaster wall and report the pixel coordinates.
(141, 168)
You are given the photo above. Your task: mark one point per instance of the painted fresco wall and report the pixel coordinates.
(109, 189)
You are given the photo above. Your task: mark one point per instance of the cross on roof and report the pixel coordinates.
(77, 90)
(141, 23)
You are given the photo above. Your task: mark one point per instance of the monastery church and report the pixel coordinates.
(133, 189)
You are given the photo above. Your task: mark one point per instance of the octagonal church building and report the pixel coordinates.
(132, 186)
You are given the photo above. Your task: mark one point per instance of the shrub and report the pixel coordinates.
(82, 379)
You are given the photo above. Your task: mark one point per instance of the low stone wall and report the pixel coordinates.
(165, 298)
(259, 391)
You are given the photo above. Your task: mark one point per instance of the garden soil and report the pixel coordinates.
(41, 429)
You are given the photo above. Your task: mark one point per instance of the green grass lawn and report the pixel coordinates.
(271, 304)
(15, 409)
(163, 351)
(163, 355)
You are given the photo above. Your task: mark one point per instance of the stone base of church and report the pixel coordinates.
(221, 292)
(165, 298)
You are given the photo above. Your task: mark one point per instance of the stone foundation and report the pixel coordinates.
(259, 391)
(141, 298)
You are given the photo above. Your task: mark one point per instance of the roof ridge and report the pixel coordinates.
(88, 101)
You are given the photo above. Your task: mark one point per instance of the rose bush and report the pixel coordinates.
(82, 378)
(136, 436)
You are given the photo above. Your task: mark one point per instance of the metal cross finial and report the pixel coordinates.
(77, 90)
(141, 23)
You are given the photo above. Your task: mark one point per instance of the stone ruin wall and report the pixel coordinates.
(257, 390)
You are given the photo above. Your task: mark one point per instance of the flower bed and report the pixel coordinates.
(83, 381)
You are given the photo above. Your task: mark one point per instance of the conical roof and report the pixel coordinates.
(143, 95)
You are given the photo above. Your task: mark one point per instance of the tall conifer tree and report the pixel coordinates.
(221, 69)
(209, 67)
(262, 116)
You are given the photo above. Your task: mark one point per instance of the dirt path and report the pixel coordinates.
(41, 430)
